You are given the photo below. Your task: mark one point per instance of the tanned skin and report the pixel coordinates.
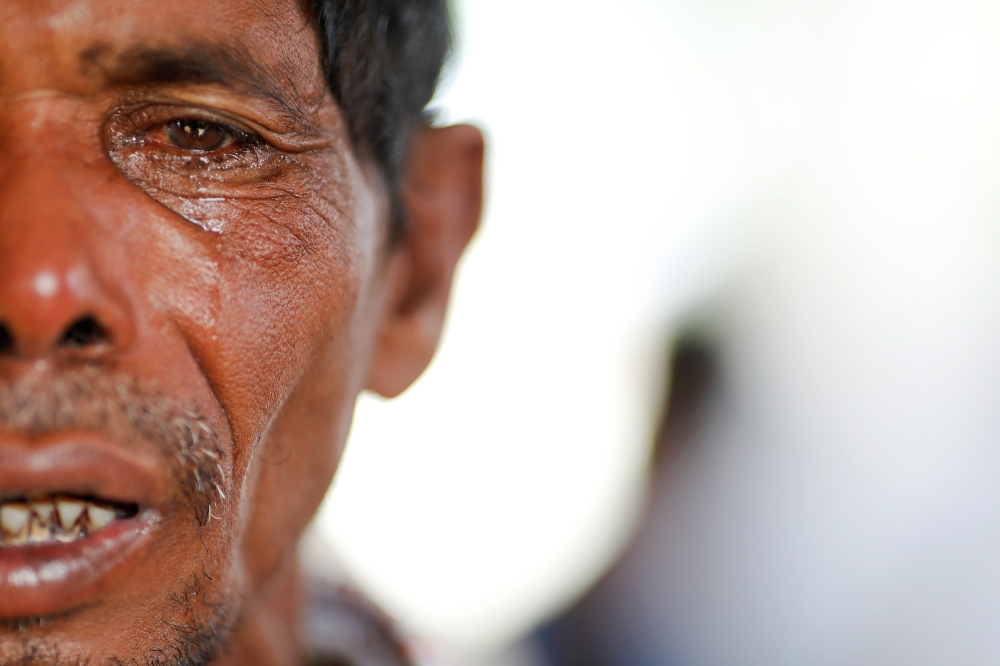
(177, 176)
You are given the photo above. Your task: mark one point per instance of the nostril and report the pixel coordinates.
(84, 332)
(6, 340)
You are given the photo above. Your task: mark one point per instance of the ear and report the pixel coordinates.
(442, 192)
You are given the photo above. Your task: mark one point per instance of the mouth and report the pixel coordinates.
(73, 514)
(57, 519)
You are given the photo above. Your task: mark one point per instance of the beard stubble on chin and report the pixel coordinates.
(124, 409)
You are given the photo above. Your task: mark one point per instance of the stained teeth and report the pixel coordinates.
(66, 537)
(42, 509)
(69, 510)
(99, 516)
(38, 531)
(13, 516)
(42, 520)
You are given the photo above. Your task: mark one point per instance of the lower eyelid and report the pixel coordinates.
(144, 153)
(232, 158)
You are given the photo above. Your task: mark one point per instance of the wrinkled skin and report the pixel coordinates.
(232, 245)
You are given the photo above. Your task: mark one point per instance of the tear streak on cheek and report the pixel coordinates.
(209, 213)
(184, 274)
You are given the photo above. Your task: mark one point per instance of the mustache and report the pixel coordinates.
(121, 408)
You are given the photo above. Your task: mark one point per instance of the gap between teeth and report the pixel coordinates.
(52, 520)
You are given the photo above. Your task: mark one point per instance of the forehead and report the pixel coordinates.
(79, 45)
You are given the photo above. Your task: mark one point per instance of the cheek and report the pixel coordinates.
(287, 293)
(273, 306)
(300, 450)
(280, 302)
(282, 260)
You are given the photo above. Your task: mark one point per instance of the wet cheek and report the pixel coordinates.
(186, 283)
(177, 273)
(278, 279)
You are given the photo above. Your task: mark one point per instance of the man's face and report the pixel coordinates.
(192, 278)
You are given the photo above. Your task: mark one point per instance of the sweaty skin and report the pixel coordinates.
(196, 282)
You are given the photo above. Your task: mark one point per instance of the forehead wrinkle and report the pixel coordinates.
(230, 64)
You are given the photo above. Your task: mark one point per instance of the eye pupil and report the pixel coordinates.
(197, 135)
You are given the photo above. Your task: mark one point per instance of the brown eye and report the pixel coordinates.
(198, 135)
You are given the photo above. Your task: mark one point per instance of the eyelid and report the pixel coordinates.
(292, 141)
(152, 119)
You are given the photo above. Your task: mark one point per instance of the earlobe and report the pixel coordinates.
(442, 192)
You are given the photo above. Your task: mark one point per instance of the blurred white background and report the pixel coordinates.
(823, 179)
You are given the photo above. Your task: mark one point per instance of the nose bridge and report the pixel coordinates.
(58, 292)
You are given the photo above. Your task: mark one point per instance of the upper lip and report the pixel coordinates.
(83, 465)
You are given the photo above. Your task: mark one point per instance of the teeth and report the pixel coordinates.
(48, 520)
(42, 509)
(99, 516)
(38, 531)
(13, 516)
(69, 510)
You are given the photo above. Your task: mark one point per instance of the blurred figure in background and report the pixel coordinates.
(838, 498)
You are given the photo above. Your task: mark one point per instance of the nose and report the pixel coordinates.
(58, 309)
(61, 267)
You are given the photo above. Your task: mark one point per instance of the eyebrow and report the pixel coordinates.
(231, 65)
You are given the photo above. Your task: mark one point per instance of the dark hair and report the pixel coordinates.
(382, 60)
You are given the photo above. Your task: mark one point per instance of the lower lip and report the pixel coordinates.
(46, 580)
